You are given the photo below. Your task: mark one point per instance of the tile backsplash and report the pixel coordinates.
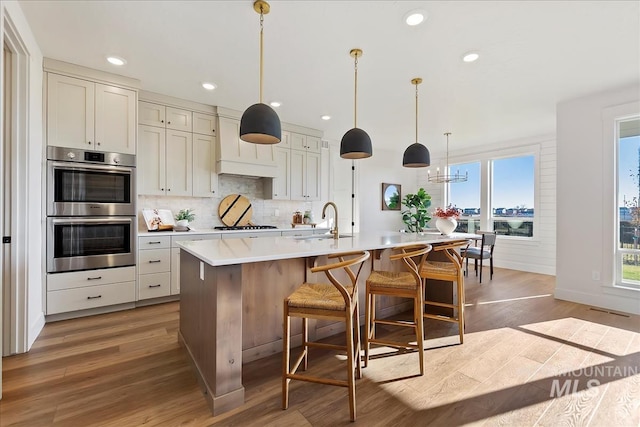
(206, 209)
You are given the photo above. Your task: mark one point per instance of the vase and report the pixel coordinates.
(446, 225)
(182, 223)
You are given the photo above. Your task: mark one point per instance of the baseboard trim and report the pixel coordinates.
(610, 302)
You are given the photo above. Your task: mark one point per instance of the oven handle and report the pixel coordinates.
(85, 220)
(93, 167)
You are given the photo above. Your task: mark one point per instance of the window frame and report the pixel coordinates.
(619, 252)
(486, 159)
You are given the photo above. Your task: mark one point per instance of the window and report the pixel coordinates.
(628, 202)
(500, 193)
(466, 197)
(512, 207)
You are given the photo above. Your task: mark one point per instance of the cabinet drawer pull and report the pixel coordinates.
(99, 296)
(154, 243)
(94, 278)
(154, 261)
(154, 286)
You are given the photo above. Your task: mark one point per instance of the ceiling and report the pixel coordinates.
(533, 54)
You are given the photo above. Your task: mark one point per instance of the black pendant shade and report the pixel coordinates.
(355, 144)
(260, 124)
(416, 156)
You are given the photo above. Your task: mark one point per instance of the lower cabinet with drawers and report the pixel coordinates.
(81, 290)
(159, 264)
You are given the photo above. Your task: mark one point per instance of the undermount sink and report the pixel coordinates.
(321, 237)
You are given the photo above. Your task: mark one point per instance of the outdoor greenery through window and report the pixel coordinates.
(628, 202)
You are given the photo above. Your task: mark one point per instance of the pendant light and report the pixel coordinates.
(447, 177)
(355, 144)
(416, 155)
(260, 124)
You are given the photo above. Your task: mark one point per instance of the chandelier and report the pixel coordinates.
(447, 177)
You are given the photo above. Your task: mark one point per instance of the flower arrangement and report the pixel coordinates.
(450, 212)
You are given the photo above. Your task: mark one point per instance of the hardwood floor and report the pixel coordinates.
(127, 369)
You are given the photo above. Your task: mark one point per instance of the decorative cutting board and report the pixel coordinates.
(235, 210)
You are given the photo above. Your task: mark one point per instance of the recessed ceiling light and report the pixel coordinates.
(470, 57)
(326, 117)
(275, 104)
(116, 60)
(209, 86)
(415, 17)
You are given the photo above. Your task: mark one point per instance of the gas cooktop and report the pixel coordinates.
(245, 227)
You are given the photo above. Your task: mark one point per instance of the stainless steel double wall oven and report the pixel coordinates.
(91, 210)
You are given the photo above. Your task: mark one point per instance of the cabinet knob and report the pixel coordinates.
(213, 191)
(168, 189)
(89, 142)
(162, 189)
(168, 123)
(161, 121)
(98, 143)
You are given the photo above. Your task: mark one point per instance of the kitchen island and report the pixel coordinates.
(232, 295)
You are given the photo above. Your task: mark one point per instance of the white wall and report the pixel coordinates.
(384, 166)
(29, 170)
(584, 202)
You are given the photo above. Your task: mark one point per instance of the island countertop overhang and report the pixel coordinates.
(247, 250)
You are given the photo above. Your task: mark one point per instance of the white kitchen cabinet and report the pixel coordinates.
(205, 179)
(279, 187)
(305, 175)
(154, 267)
(165, 117)
(305, 142)
(88, 115)
(81, 290)
(204, 124)
(165, 162)
(179, 172)
(241, 157)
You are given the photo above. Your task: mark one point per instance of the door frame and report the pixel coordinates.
(18, 138)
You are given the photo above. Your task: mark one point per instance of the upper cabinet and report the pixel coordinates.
(305, 142)
(298, 177)
(204, 124)
(90, 115)
(172, 161)
(166, 117)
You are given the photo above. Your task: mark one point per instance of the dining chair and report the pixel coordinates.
(403, 284)
(328, 301)
(446, 266)
(480, 253)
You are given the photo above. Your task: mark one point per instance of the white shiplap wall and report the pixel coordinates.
(538, 254)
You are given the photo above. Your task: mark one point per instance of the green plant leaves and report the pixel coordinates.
(416, 216)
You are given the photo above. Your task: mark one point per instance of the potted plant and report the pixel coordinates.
(184, 217)
(416, 215)
(447, 220)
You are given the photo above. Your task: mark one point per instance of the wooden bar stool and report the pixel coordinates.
(333, 301)
(448, 269)
(404, 284)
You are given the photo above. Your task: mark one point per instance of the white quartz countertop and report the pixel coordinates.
(241, 251)
(213, 231)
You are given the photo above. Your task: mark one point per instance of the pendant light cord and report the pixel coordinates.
(447, 169)
(355, 93)
(416, 113)
(261, 43)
